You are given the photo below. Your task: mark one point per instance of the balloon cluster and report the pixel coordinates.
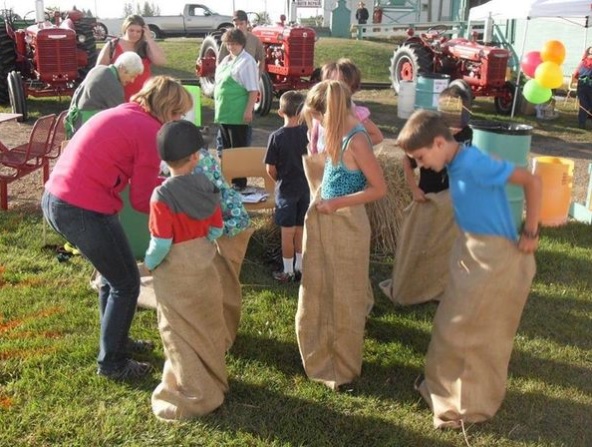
(544, 69)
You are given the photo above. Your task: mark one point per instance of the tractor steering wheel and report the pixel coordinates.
(30, 18)
(437, 30)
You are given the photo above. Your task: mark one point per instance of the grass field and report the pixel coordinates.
(51, 396)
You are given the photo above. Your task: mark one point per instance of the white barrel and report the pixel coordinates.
(406, 99)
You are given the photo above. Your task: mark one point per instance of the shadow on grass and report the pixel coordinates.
(549, 421)
(271, 416)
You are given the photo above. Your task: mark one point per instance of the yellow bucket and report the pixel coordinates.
(556, 176)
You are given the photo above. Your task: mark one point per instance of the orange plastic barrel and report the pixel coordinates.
(556, 176)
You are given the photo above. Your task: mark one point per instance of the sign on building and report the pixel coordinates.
(308, 3)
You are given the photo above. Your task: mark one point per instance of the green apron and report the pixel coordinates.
(230, 97)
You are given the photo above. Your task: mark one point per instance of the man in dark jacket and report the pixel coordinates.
(362, 14)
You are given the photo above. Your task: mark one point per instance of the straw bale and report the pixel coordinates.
(386, 215)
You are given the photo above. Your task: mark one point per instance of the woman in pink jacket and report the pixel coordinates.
(114, 149)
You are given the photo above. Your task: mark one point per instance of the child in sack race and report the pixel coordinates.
(491, 271)
(333, 299)
(428, 231)
(185, 219)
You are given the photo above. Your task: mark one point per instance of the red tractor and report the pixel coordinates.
(289, 62)
(483, 68)
(43, 58)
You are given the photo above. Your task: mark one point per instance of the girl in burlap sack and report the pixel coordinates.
(491, 270)
(333, 299)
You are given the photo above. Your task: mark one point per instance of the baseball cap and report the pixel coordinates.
(241, 15)
(178, 139)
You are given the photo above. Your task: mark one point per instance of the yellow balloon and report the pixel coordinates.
(549, 75)
(553, 51)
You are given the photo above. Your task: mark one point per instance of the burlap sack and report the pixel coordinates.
(474, 328)
(420, 271)
(333, 299)
(314, 166)
(191, 325)
(228, 262)
(146, 299)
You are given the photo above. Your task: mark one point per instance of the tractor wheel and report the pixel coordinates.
(408, 61)
(210, 47)
(465, 88)
(100, 31)
(85, 27)
(16, 91)
(265, 99)
(505, 98)
(7, 61)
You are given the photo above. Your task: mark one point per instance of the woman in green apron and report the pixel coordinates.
(235, 92)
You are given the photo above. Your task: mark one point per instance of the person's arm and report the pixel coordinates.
(361, 150)
(248, 115)
(418, 194)
(153, 50)
(104, 56)
(529, 237)
(160, 224)
(271, 171)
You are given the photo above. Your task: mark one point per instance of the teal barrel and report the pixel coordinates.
(508, 141)
(428, 88)
(135, 226)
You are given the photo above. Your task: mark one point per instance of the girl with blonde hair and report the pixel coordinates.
(333, 299)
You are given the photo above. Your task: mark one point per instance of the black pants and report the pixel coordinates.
(585, 99)
(235, 135)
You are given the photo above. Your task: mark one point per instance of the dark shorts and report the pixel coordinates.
(290, 211)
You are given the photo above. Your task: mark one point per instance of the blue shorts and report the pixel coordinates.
(290, 211)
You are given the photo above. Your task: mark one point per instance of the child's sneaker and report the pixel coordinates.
(283, 277)
(297, 276)
(130, 371)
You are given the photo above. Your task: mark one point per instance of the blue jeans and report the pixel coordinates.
(100, 238)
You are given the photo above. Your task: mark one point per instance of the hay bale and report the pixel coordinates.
(386, 215)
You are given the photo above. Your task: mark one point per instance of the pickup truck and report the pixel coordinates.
(195, 20)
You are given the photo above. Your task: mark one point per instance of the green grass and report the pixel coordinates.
(51, 396)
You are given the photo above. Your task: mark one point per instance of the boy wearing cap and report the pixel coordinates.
(185, 217)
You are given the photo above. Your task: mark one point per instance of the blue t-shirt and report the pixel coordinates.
(477, 187)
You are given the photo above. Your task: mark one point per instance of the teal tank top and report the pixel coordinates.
(338, 180)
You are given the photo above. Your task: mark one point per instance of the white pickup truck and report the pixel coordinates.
(196, 19)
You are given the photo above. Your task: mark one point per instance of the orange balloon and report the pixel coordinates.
(553, 51)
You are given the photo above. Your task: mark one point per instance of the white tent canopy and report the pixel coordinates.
(530, 9)
(576, 11)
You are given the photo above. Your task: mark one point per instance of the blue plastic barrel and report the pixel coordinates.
(428, 88)
(508, 141)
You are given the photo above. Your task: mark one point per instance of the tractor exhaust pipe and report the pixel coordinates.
(39, 11)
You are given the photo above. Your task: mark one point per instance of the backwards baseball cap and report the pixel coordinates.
(178, 139)
(241, 15)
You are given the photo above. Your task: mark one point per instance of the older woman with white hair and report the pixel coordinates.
(102, 89)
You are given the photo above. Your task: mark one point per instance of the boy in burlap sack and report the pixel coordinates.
(491, 270)
(333, 299)
(185, 217)
(428, 231)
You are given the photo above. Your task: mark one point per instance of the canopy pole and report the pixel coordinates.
(519, 69)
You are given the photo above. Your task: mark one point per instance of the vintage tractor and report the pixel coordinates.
(43, 58)
(289, 62)
(483, 68)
